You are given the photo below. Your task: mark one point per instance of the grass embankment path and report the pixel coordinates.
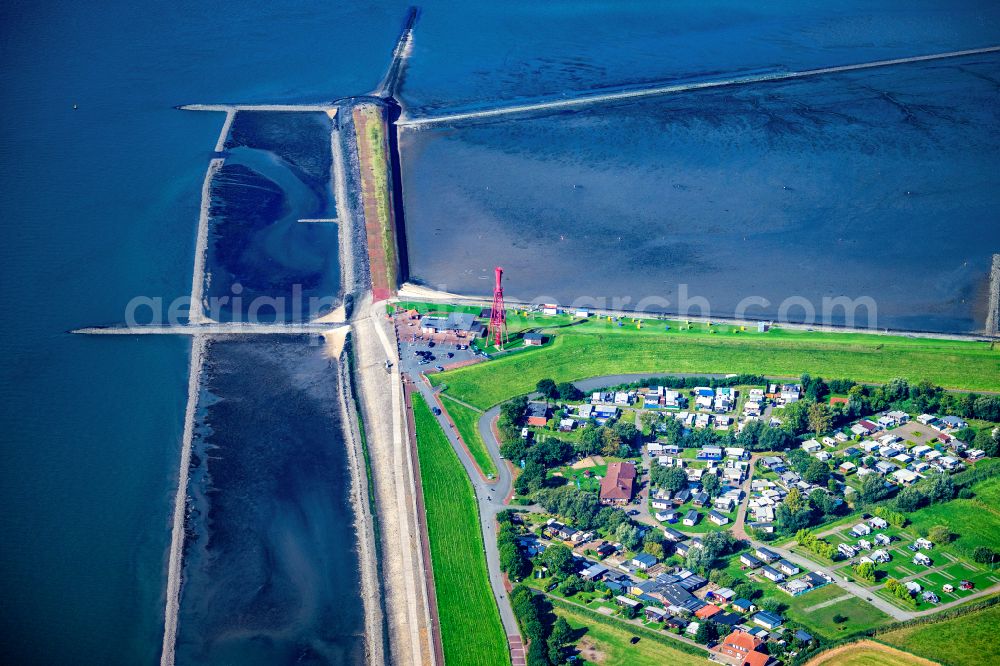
(966, 640)
(466, 421)
(376, 191)
(471, 632)
(595, 348)
(867, 653)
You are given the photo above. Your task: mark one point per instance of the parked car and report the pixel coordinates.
(439, 368)
(436, 410)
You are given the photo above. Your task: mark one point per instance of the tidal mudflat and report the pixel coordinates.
(263, 262)
(270, 564)
(880, 184)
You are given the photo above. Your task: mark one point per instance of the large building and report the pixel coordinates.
(742, 649)
(617, 484)
(457, 323)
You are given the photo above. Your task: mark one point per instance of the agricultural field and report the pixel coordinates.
(467, 423)
(598, 347)
(966, 640)
(471, 631)
(610, 644)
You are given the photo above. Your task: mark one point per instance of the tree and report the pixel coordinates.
(865, 570)
(559, 559)
(547, 388)
(513, 562)
(985, 555)
(820, 418)
(988, 439)
(673, 479)
(629, 535)
(771, 605)
(795, 417)
(707, 632)
(910, 499)
(818, 472)
(794, 513)
(561, 635)
(940, 534)
(654, 548)
(873, 489)
(568, 391)
(710, 484)
(939, 487)
(512, 417)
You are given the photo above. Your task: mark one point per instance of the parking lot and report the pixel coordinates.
(425, 354)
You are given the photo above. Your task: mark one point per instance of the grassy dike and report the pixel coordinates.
(966, 640)
(598, 347)
(467, 422)
(471, 632)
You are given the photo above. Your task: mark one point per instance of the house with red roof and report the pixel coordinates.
(618, 484)
(741, 649)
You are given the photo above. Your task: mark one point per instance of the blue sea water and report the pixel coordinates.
(99, 205)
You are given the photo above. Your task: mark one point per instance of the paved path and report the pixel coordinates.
(234, 328)
(835, 600)
(490, 496)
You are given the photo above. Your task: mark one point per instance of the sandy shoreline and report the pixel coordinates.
(197, 308)
(174, 564)
(364, 522)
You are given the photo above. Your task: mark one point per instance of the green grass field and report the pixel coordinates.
(471, 631)
(866, 653)
(467, 422)
(860, 615)
(596, 347)
(610, 645)
(967, 640)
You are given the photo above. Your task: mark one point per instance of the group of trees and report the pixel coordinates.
(614, 438)
(585, 511)
(715, 546)
(799, 511)
(513, 561)
(552, 391)
(898, 590)
(934, 488)
(813, 543)
(546, 634)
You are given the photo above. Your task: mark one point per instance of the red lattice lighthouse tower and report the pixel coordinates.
(498, 316)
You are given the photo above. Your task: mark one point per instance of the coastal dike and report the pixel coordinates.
(993, 311)
(381, 195)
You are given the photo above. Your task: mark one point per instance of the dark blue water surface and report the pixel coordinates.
(263, 263)
(270, 576)
(100, 204)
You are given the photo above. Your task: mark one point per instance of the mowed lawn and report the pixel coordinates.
(860, 616)
(611, 646)
(967, 640)
(599, 348)
(471, 631)
(467, 422)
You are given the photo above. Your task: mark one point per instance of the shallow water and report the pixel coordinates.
(263, 264)
(270, 573)
(877, 185)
